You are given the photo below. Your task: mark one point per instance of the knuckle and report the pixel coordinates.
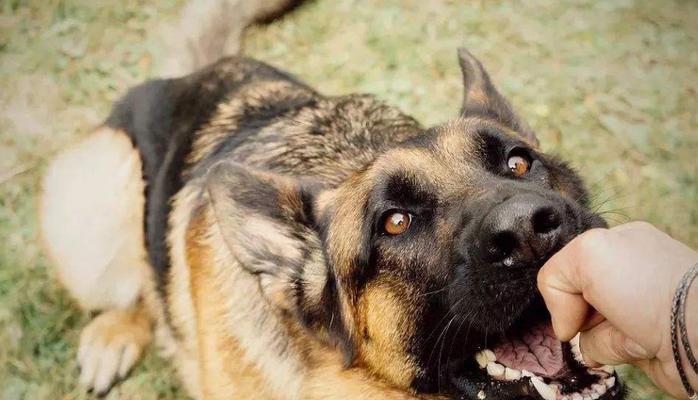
(640, 226)
(545, 282)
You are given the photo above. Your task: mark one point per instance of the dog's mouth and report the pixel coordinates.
(531, 363)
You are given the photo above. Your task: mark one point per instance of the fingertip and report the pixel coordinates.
(568, 312)
(563, 333)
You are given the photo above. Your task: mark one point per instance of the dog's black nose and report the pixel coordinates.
(520, 231)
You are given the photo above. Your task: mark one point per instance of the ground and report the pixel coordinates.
(610, 86)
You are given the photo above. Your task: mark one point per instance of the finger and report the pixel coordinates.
(604, 344)
(559, 283)
(593, 318)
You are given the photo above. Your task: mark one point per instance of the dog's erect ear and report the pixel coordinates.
(480, 97)
(267, 223)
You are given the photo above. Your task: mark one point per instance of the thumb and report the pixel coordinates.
(560, 284)
(605, 344)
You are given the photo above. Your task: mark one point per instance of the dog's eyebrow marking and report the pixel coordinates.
(406, 189)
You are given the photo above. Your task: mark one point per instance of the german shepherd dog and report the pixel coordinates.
(283, 244)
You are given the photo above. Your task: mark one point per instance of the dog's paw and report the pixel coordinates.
(110, 345)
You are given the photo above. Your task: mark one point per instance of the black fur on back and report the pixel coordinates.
(161, 117)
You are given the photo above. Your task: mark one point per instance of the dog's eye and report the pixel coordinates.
(397, 222)
(518, 164)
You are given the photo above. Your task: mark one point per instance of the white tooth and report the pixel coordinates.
(545, 391)
(565, 397)
(610, 382)
(595, 396)
(577, 396)
(511, 374)
(575, 341)
(481, 359)
(598, 388)
(481, 395)
(586, 397)
(495, 369)
(490, 355)
(576, 352)
(526, 373)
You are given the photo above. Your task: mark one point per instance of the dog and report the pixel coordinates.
(283, 244)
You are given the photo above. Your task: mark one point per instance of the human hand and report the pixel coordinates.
(615, 286)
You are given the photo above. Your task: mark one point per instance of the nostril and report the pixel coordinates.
(501, 245)
(546, 220)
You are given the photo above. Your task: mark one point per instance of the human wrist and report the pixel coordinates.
(684, 319)
(692, 331)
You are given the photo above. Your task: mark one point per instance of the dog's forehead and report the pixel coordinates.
(446, 157)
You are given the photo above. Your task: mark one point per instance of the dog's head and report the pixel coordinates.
(422, 266)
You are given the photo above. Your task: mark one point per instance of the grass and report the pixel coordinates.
(610, 86)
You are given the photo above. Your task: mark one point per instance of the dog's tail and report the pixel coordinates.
(210, 29)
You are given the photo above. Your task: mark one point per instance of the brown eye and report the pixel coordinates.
(397, 223)
(518, 165)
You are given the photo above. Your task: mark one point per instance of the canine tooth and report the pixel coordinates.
(481, 395)
(575, 341)
(545, 391)
(511, 374)
(481, 359)
(576, 351)
(490, 355)
(526, 373)
(495, 369)
(598, 388)
(610, 382)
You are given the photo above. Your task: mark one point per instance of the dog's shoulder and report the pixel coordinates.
(156, 111)
(166, 120)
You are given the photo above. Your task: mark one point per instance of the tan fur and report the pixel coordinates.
(386, 322)
(182, 312)
(227, 370)
(110, 345)
(91, 220)
(235, 351)
(329, 380)
(223, 370)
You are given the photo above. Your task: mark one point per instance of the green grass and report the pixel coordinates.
(610, 86)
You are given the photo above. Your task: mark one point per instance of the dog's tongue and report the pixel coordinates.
(536, 350)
